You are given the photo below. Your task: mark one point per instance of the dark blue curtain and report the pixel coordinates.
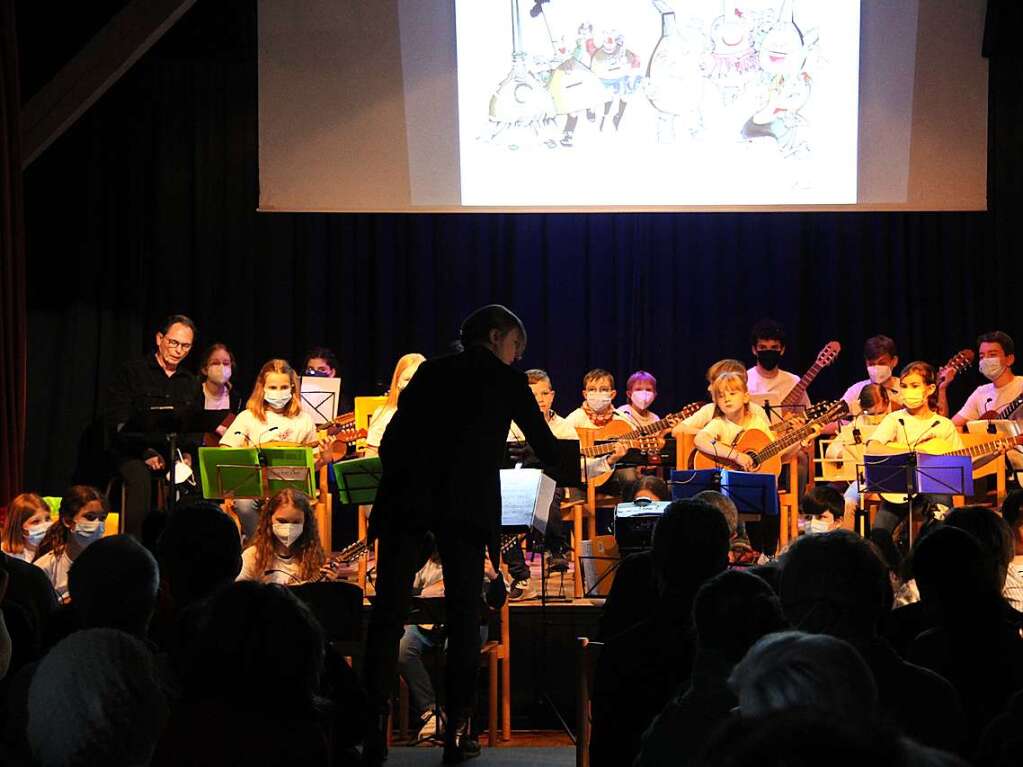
(147, 207)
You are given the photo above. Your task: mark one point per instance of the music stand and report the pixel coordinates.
(357, 482)
(230, 472)
(913, 474)
(752, 493)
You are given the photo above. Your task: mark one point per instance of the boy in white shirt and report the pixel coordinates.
(768, 384)
(996, 355)
(881, 357)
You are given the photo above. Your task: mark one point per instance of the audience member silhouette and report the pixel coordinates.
(95, 699)
(973, 644)
(731, 612)
(642, 667)
(834, 583)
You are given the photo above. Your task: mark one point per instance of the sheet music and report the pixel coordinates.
(526, 496)
(320, 397)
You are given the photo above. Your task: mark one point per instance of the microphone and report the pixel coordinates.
(990, 424)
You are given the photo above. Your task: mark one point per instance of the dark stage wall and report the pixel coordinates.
(147, 206)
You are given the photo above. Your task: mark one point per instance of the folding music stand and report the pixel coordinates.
(914, 474)
(357, 482)
(752, 493)
(289, 468)
(230, 472)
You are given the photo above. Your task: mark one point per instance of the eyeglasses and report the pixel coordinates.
(174, 344)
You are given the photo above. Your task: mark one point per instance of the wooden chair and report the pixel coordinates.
(992, 468)
(496, 655)
(364, 409)
(589, 653)
(574, 511)
(323, 509)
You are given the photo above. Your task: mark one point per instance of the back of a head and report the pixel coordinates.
(95, 699)
(650, 485)
(690, 545)
(113, 584)
(199, 551)
(1011, 509)
(476, 327)
(991, 531)
(794, 670)
(253, 638)
(732, 611)
(722, 503)
(834, 583)
(952, 570)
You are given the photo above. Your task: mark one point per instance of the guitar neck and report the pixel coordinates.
(784, 442)
(655, 427)
(985, 448)
(794, 396)
(1006, 412)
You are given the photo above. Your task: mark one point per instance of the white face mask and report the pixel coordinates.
(89, 530)
(277, 400)
(991, 368)
(287, 532)
(878, 374)
(35, 533)
(598, 401)
(817, 525)
(219, 374)
(642, 399)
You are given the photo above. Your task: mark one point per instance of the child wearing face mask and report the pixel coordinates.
(824, 509)
(732, 416)
(28, 519)
(221, 400)
(641, 391)
(881, 358)
(82, 515)
(766, 380)
(403, 372)
(911, 427)
(273, 414)
(597, 409)
(286, 546)
(872, 405)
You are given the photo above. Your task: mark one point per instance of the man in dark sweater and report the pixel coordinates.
(148, 398)
(454, 492)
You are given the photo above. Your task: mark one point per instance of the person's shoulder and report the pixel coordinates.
(19, 569)
(853, 392)
(577, 418)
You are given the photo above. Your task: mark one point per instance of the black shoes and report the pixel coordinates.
(459, 744)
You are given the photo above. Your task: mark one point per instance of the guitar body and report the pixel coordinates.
(590, 437)
(750, 442)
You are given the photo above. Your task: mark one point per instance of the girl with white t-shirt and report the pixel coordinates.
(82, 515)
(403, 372)
(733, 415)
(286, 545)
(273, 414)
(912, 428)
(28, 519)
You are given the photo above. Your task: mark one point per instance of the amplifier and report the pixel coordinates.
(634, 524)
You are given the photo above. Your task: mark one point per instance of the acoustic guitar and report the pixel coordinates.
(342, 429)
(937, 446)
(1004, 413)
(825, 357)
(766, 455)
(959, 362)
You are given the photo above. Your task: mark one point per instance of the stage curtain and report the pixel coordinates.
(149, 203)
(13, 316)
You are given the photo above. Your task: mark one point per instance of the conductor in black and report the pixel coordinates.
(448, 485)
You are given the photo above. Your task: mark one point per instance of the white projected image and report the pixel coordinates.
(657, 102)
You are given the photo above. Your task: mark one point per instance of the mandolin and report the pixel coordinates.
(765, 453)
(341, 429)
(1004, 413)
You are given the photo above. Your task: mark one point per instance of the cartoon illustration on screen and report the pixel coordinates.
(573, 86)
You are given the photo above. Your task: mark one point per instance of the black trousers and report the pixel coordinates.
(138, 494)
(461, 551)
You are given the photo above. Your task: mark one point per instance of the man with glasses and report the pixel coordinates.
(149, 398)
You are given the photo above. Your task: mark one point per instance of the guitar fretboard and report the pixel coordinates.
(793, 397)
(654, 427)
(983, 448)
(1007, 411)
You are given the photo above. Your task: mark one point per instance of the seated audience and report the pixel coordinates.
(640, 668)
(1014, 519)
(28, 519)
(83, 512)
(286, 547)
(974, 643)
(835, 584)
(95, 699)
(996, 539)
(740, 551)
(113, 584)
(633, 596)
(256, 640)
(731, 612)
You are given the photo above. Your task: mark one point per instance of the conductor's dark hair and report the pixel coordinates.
(179, 319)
(477, 326)
(767, 330)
